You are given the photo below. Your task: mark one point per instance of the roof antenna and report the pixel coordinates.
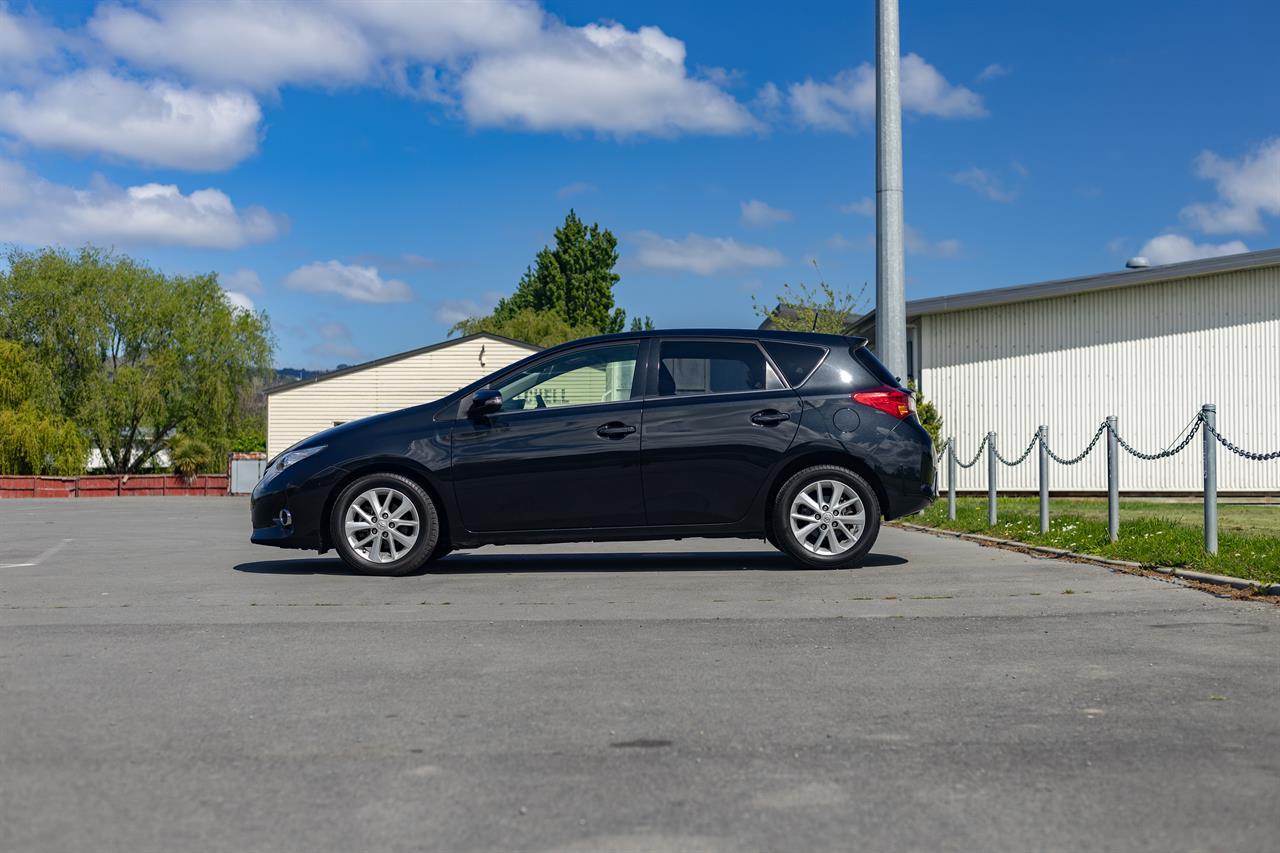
(815, 320)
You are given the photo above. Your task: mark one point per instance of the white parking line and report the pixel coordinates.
(44, 555)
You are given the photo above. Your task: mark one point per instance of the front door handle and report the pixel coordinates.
(770, 417)
(615, 429)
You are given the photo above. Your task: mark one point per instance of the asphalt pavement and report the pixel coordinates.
(166, 686)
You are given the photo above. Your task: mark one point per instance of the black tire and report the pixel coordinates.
(423, 548)
(792, 545)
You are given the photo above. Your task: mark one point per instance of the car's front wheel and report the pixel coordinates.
(384, 524)
(826, 517)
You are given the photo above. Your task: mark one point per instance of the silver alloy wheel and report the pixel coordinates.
(382, 524)
(827, 517)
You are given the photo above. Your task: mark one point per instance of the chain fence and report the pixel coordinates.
(1205, 419)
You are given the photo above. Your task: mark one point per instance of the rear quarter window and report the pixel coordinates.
(796, 361)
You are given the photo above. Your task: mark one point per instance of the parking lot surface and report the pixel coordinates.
(166, 686)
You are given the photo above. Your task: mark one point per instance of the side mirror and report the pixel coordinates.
(484, 402)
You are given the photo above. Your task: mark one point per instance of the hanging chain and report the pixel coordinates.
(976, 456)
(1191, 429)
(1163, 453)
(1256, 457)
(1035, 438)
(1073, 460)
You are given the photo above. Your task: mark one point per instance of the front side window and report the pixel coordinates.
(581, 377)
(713, 367)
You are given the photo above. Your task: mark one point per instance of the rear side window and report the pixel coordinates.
(713, 367)
(796, 361)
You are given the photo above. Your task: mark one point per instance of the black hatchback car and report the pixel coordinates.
(805, 440)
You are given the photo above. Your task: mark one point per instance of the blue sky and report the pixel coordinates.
(366, 174)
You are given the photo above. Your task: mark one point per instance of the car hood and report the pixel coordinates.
(350, 428)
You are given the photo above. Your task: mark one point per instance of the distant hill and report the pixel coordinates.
(297, 374)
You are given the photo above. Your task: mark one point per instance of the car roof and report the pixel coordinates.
(813, 338)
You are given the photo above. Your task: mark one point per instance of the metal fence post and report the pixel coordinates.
(1113, 481)
(1043, 432)
(1209, 414)
(991, 479)
(951, 478)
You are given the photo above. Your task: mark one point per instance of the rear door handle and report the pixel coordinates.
(614, 429)
(770, 417)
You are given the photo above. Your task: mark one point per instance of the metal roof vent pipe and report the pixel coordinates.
(1137, 263)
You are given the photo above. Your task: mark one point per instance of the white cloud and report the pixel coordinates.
(154, 123)
(1247, 188)
(838, 243)
(453, 311)
(602, 78)
(314, 42)
(992, 71)
(918, 244)
(987, 184)
(242, 280)
(33, 210)
(848, 102)
(506, 63)
(24, 39)
(238, 300)
(864, 206)
(699, 254)
(336, 349)
(334, 331)
(403, 262)
(1173, 248)
(357, 283)
(575, 188)
(758, 214)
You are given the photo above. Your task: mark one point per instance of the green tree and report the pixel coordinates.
(189, 456)
(823, 309)
(573, 282)
(34, 437)
(541, 328)
(575, 279)
(135, 355)
(928, 413)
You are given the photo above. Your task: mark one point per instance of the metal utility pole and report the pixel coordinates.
(891, 299)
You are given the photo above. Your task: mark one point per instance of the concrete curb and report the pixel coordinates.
(1127, 565)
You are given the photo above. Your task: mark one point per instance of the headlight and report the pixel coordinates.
(287, 459)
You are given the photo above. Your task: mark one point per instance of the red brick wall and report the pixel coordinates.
(111, 485)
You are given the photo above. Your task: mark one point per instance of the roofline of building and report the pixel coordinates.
(298, 383)
(1085, 284)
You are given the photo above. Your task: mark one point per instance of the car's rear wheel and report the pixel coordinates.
(384, 524)
(826, 517)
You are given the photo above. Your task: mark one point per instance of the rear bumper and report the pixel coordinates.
(908, 470)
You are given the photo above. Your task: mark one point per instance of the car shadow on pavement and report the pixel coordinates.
(559, 563)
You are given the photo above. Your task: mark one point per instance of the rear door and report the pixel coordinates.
(717, 418)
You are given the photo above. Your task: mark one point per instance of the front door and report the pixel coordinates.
(716, 421)
(564, 451)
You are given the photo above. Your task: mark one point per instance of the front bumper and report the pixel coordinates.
(303, 496)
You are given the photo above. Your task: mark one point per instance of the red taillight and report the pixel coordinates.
(891, 401)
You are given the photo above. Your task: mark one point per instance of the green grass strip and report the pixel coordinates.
(1145, 536)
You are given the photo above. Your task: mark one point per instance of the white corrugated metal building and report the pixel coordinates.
(1148, 345)
(300, 409)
